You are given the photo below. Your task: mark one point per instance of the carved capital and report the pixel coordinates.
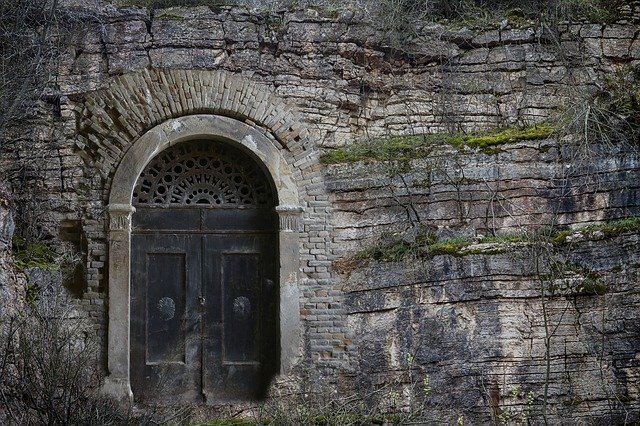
(290, 218)
(120, 217)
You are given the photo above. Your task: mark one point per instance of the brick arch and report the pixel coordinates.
(111, 119)
(205, 126)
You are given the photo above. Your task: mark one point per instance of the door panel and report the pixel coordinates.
(165, 322)
(204, 291)
(222, 220)
(167, 219)
(238, 219)
(241, 346)
(241, 281)
(204, 315)
(166, 307)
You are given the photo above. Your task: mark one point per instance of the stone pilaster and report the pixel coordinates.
(289, 236)
(117, 383)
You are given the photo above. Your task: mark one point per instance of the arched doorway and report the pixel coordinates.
(269, 158)
(204, 286)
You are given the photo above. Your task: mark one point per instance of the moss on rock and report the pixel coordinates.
(33, 254)
(429, 245)
(407, 148)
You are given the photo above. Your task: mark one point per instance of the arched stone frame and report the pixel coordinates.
(150, 144)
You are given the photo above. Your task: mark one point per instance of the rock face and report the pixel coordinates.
(476, 326)
(510, 333)
(524, 186)
(10, 294)
(491, 324)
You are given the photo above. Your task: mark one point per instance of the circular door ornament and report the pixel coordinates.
(203, 173)
(241, 308)
(167, 308)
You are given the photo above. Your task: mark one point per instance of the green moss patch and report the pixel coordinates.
(501, 137)
(597, 231)
(589, 283)
(33, 254)
(429, 245)
(406, 148)
(451, 247)
(592, 287)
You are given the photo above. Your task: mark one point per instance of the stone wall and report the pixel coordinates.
(333, 78)
(484, 322)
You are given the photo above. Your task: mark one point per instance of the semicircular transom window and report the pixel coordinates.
(203, 173)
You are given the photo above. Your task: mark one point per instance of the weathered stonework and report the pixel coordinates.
(135, 159)
(523, 187)
(289, 85)
(475, 326)
(111, 120)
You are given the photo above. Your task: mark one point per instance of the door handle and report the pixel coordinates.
(202, 301)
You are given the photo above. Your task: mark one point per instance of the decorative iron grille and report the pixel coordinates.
(203, 173)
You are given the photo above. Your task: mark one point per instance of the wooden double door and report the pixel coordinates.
(204, 304)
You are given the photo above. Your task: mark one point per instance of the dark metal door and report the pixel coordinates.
(165, 317)
(203, 306)
(204, 289)
(240, 340)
